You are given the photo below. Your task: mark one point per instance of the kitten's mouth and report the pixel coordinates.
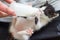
(53, 15)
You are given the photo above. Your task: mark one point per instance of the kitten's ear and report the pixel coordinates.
(43, 8)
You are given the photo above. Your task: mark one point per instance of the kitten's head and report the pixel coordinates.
(49, 10)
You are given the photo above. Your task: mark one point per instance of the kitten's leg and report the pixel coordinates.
(26, 33)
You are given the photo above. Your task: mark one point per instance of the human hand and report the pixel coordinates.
(5, 10)
(9, 1)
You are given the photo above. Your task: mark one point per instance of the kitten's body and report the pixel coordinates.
(20, 24)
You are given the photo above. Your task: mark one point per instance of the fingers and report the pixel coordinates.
(10, 11)
(2, 14)
(6, 9)
(9, 1)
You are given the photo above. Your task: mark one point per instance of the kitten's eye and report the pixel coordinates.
(18, 16)
(25, 17)
(22, 17)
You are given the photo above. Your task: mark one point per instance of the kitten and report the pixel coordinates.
(30, 18)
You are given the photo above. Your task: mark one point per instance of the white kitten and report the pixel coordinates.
(20, 24)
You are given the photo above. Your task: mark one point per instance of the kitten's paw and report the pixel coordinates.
(29, 31)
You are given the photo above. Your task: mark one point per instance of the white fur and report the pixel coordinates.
(24, 10)
(28, 11)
